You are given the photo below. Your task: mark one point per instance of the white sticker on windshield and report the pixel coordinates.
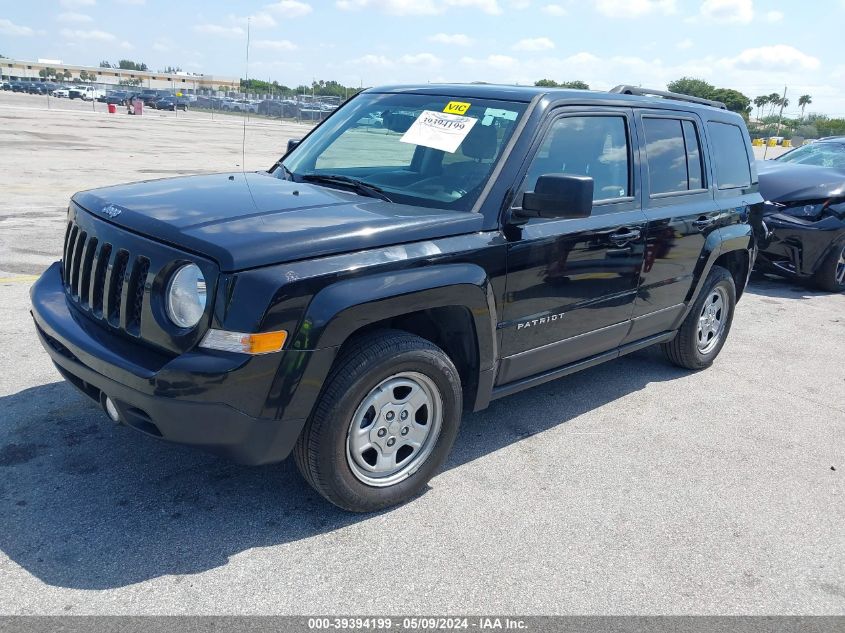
(439, 130)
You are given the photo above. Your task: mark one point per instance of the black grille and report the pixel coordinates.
(107, 280)
(136, 295)
(118, 277)
(110, 273)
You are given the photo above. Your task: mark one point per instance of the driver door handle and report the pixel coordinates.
(629, 235)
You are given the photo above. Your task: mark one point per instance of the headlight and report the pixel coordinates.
(186, 297)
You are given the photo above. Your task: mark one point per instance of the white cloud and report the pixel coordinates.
(534, 44)
(634, 8)
(372, 60)
(731, 11)
(774, 16)
(217, 29)
(290, 8)
(260, 20)
(7, 27)
(497, 62)
(276, 45)
(780, 57)
(519, 5)
(93, 35)
(420, 59)
(72, 4)
(70, 16)
(419, 7)
(556, 10)
(453, 39)
(486, 6)
(684, 44)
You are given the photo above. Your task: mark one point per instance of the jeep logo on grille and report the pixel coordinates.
(112, 211)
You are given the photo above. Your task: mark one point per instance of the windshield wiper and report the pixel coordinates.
(359, 186)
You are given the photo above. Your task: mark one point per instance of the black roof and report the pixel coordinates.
(527, 93)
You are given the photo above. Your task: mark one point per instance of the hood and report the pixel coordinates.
(254, 219)
(790, 182)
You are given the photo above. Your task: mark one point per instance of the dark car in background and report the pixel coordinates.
(804, 214)
(171, 103)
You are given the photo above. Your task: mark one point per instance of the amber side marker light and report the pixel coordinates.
(243, 343)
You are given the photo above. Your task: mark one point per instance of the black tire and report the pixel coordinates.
(684, 350)
(826, 275)
(321, 451)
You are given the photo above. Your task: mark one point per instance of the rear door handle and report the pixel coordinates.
(630, 235)
(703, 223)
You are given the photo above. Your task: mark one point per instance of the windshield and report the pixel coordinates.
(822, 154)
(417, 149)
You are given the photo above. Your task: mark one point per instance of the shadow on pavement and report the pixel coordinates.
(780, 287)
(87, 504)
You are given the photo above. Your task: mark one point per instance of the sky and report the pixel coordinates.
(755, 46)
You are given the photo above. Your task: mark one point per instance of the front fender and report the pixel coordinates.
(339, 310)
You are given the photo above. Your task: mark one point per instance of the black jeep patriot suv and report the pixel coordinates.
(423, 251)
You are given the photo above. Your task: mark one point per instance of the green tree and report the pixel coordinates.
(760, 102)
(47, 73)
(733, 99)
(575, 85)
(804, 101)
(692, 87)
(105, 64)
(551, 83)
(774, 101)
(128, 64)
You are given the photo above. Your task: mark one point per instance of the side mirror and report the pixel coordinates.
(559, 196)
(292, 143)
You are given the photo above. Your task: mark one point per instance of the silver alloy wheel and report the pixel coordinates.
(840, 268)
(712, 320)
(394, 429)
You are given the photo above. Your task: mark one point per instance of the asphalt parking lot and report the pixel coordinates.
(631, 488)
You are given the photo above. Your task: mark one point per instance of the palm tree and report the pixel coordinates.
(804, 101)
(760, 101)
(774, 101)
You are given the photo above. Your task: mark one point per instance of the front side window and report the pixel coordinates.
(424, 150)
(595, 146)
(730, 158)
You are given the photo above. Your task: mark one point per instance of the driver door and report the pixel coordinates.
(571, 283)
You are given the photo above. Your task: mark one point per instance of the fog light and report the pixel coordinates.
(111, 410)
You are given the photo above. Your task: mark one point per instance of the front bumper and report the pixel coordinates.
(796, 247)
(185, 399)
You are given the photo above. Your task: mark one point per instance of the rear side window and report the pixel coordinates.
(673, 155)
(730, 159)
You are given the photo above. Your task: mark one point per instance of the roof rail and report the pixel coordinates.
(648, 92)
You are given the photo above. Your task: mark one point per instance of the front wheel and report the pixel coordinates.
(831, 274)
(385, 422)
(705, 329)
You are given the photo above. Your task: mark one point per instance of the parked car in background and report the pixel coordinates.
(803, 233)
(18, 86)
(5, 85)
(61, 93)
(171, 103)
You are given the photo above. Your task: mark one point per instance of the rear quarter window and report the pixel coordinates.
(730, 157)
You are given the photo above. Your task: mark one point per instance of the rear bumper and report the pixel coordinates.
(183, 399)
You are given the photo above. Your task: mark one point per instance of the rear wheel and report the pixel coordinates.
(705, 329)
(384, 424)
(831, 274)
